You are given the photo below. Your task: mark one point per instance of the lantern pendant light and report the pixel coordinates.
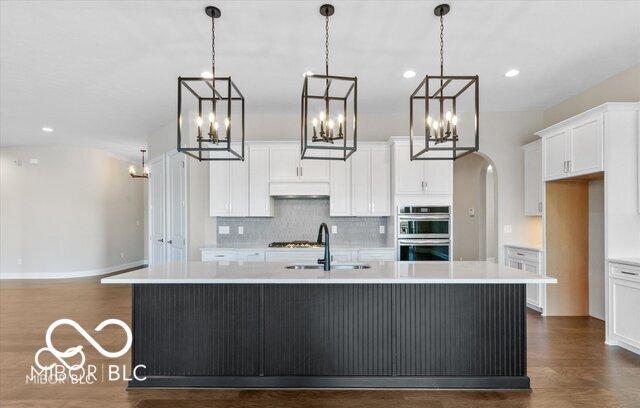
(145, 169)
(445, 99)
(329, 110)
(208, 107)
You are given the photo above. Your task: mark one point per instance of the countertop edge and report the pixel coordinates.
(626, 261)
(109, 281)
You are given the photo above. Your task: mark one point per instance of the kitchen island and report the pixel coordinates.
(394, 324)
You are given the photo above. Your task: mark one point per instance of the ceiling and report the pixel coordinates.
(104, 73)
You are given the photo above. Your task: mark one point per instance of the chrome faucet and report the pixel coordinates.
(326, 261)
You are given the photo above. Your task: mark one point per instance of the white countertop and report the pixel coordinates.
(266, 248)
(276, 273)
(626, 261)
(525, 246)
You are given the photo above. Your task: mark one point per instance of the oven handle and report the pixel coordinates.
(425, 217)
(438, 242)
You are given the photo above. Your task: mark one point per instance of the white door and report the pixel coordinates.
(361, 182)
(555, 146)
(585, 145)
(340, 194)
(284, 163)
(259, 200)
(219, 192)
(533, 181)
(239, 187)
(176, 207)
(533, 289)
(380, 190)
(314, 170)
(408, 174)
(157, 200)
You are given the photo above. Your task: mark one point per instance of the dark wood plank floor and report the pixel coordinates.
(569, 364)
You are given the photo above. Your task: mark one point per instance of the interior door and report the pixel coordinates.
(157, 201)
(555, 155)
(586, 146)
(361, 182)
(380, 169)
(408, 174)
(284, 162)
(176, 207)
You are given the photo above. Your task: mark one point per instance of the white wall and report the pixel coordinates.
(490, 218)
(596, 249)
(72, 214)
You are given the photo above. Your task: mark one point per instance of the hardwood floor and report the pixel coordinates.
(569, 364)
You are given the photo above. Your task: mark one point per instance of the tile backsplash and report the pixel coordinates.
(299, 219)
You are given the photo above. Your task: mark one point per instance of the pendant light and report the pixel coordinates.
(445, 99)
(145, 170)
(329, 110)
(209, 107)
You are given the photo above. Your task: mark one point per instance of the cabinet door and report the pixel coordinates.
(625, 303)
(585, 146)
(314, 170)
(438, 175)
(408, 175)
(251, 256)
(341, 256)
(361, 182)
(219, 194)
(533, 180)
(380, 177)
(533, 289)
(239, 187)
(284, 163)
(555, 155)
(513, 263)
(260, 204)
(340, 194)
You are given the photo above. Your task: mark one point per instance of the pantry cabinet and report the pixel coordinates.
(573, 147)
(421, 177)
(533, 183)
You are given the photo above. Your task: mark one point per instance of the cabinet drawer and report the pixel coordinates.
(624, 271)
(523, 254)
(208, 256)
(294, 255)
(251, 255)
(367, 255)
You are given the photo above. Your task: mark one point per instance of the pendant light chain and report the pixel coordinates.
(441, 45)
(326, 45)
(213, 50)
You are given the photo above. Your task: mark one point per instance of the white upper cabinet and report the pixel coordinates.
(370, 192)
(573, 147)
(284, 163)
(260, 203)
(314, 170)
(533, 182)
(340, 187)
(420, 177)
(229, 188)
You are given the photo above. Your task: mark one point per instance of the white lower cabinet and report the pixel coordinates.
(623, 323)
(251, 255)
(530, 261)
(344, 256)
(294, 255)
(228, 255)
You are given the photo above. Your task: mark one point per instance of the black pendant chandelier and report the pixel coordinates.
(208, 108)
(332, 103)
(449, 103)
(145, 170)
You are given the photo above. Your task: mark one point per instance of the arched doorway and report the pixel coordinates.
(475, 232)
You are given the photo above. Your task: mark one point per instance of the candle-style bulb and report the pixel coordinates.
(314, 122)
(429, 120)
(448, 115)
(340, 119)
(322, 115)
(199, 121)
(330, 124)
(454, 120)
(212, 117)
(132, 170)
(227, 122)
(146, 170)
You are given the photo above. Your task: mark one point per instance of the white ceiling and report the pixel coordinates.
(104, 73)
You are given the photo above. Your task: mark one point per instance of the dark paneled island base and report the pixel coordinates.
(330, 335)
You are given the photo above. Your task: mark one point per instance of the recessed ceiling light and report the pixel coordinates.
(206, 74)
(307, 73)
(511, 73)
(409, 74)
(47, 129)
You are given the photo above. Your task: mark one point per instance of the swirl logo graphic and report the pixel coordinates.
(64, 356)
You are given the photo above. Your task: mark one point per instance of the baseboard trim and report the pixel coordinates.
(75, 274)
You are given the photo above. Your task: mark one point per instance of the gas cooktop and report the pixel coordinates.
(295, 244)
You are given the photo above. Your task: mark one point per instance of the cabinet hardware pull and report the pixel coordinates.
(219, 256)
(568, 166)
(300, 171)
(161, 240)
(629, 273)
(518, 253)
(170, 241)
(297, 171)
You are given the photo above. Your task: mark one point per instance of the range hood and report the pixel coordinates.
(299, 189)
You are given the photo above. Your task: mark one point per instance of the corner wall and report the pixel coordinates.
(74, 213)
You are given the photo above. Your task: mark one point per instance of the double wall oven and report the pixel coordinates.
(424, 233)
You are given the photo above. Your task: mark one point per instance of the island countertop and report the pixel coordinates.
(469, 272)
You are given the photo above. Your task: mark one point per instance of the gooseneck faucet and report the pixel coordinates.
(327, 253)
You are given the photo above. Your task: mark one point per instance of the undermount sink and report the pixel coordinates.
(358, 266)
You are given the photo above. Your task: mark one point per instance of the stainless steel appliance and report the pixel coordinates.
(424, 233)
